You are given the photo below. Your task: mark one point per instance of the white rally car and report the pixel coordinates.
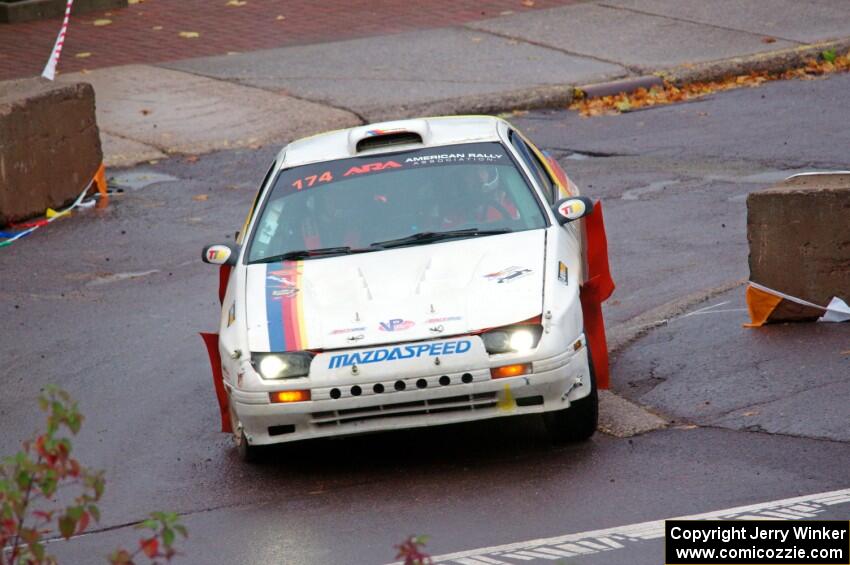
(405, 274)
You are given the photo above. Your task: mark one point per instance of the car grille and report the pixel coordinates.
(463, 403)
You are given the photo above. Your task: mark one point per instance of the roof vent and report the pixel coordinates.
(379, 140)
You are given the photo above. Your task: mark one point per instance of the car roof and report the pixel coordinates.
(344, 143)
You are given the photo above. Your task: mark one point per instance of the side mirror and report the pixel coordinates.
(220, 254)
(572, 208)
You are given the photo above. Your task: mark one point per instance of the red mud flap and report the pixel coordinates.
(595, 291)
(211, 341)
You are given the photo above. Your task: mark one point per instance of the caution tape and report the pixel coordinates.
(99, 180)
(49, 71)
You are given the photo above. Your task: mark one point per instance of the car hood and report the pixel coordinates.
(404, 294)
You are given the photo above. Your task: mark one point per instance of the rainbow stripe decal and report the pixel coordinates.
(284, 306)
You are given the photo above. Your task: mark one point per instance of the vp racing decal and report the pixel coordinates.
(284, 306)
(395, 325)
(399, 352)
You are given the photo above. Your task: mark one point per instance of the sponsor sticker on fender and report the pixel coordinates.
(507, 275)
(386, 354)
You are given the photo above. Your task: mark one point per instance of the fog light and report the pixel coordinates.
(289, 396)
(510, 371)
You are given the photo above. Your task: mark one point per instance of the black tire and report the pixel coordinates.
(579, 421)
(247, 453)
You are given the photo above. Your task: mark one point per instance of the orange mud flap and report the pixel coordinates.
(595, 291)
(211, 341)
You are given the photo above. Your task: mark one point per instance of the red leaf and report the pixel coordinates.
(83, 523)
(150, 547)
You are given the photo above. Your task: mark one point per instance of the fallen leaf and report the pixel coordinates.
(670, 93)
(135, 1)
(280, 18)
(476, 39)
(189, 34)
(768, 40)
(156, 28)
(191, 158)
(201, 197)
(145, 111)
(528, 3)
(232, 52)
(236, 3)
(107, 14)
(102, 22)
(84, 71)
(83, 55)
(750, 413)
(506, 13)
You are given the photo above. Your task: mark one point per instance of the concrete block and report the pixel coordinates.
(799, 236)
(49, 145)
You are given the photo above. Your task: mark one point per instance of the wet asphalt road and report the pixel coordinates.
(108, 305)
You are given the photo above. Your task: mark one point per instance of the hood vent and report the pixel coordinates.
(388, 140)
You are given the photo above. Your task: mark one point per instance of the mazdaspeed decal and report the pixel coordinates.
(400, 352)
(395, 325)
(509, 274)
(284, 306)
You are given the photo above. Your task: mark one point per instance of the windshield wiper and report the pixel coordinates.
(309, 253)
(430, 236)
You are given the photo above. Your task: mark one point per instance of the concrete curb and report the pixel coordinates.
(773, 61)
(626, 85)
(552, 96)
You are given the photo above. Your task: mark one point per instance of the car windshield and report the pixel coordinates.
(406, 198)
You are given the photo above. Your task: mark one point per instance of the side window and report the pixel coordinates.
(257, 199)
(537, 168)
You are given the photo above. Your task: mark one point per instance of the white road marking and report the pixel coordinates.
(706, 309)
(597, 541)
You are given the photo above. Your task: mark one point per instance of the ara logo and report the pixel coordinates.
(395, 325)
(371, 167)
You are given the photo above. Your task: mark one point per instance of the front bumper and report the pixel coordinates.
(553, 383)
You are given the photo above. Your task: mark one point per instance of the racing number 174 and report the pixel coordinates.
(312, 179)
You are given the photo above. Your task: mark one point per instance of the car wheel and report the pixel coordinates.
(247, 453)
(579, 421)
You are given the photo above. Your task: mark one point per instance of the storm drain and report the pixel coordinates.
(463, 403)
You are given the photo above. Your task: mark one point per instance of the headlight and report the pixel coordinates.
(512, 339)
(282, 365)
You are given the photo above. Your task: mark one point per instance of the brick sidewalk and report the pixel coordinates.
(149, 31)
